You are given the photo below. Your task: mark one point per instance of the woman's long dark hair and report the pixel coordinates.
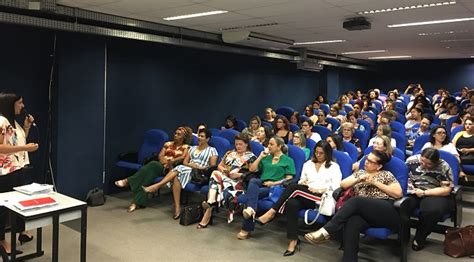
(7, 106)
(433, 133)
(327, 149)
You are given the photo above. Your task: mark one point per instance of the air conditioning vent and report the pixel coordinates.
(254, 39)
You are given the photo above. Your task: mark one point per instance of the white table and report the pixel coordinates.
(67, 209)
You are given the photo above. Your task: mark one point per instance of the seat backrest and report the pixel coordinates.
(397, 127)
(334, 122)
(371, 115)
(285, 110)
(452, 162)
(344, 162)
(322, 131)
(241, 124)
(449, 123)
(310, 144)
(419, 143)
(396, 152)
(348, 108)
(401, 118)
(324, 107)
(303, 118)
(456, 130)
(298, 156)
(401, 140)
(363, 138)
(267, 124)
(221, 144)
(195, 141)
(215, 131)
(294, 128)
(351, 149)
(257, 148)
(366, 125)
(398, 168)
(229, 134)
(153, 141)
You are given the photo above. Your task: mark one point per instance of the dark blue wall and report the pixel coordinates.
(432, 74)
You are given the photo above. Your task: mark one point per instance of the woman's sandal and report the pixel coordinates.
(121, 183)
(316, 237)
(242, 236)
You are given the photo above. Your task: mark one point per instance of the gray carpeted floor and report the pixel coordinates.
(152, 235)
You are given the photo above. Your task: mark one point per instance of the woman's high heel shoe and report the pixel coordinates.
(121, 183)
(297, 248)
(23, 238)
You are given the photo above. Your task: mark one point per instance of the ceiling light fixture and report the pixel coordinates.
(376, 11)
(472, 56)
(363, 52)
(465, 19)
(218, 12)
(456, 40)
(389, 57)
(320, 42)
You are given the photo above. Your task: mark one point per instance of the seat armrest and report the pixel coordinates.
(130, 156)
(456, 217)
(402, 205)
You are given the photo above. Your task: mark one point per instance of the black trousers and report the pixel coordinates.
(356, 216)
(432, 209)
(292, 207)
(7, 183)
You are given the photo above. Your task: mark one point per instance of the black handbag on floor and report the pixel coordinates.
(201, 176)
(190, 214)
(95, 197)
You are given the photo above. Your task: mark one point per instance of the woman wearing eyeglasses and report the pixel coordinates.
(429, 186)
(439, 139)
(372, 206)
(307, 128)
(281, 128)
(299, 140)
(318, 175)
(322, 120)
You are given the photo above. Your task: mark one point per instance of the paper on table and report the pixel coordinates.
(34, 188)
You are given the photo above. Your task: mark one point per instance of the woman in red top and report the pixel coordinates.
(171, 154)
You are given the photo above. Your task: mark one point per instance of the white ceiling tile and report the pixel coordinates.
(140, 6)
(235, 5)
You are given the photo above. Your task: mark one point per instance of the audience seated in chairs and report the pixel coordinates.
(172, 154)
(264, 134)
(423, 129)
(275, 167)
(335, 141)
(281, 128)
(452, 111)
(439, 139)
(299, 140)
(309, 112)
(269, 115)
(230, 123)
(464, 142)
(415, 118)
(201, 157)
(384, 130)
(322, 120)
(295, 118)
(228, 177)
(252, 130)
(352, 117)
(429, 186)
(372, 206)
(306, 127)
(381, 143)
(319, 174)
(347, 130)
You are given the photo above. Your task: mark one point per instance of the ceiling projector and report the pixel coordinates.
(356, 23)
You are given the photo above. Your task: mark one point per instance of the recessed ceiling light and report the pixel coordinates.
(363, 52)
(218, 12)
(439, 33)
(389, 57)
(445, 3)
(433, 22)
(472, 56)
(456, 40)
(319, 42)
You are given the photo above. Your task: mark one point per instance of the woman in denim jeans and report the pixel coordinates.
(275, 167)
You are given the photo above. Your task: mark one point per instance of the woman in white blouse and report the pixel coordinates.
(439, 139)
(318, 175)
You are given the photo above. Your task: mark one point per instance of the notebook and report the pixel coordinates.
(35, 203)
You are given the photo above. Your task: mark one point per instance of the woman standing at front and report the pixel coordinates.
(375, 190)
(318, 175)
(13, 154)
(275, 167)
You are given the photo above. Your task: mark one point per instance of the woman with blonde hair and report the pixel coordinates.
(269, 115)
